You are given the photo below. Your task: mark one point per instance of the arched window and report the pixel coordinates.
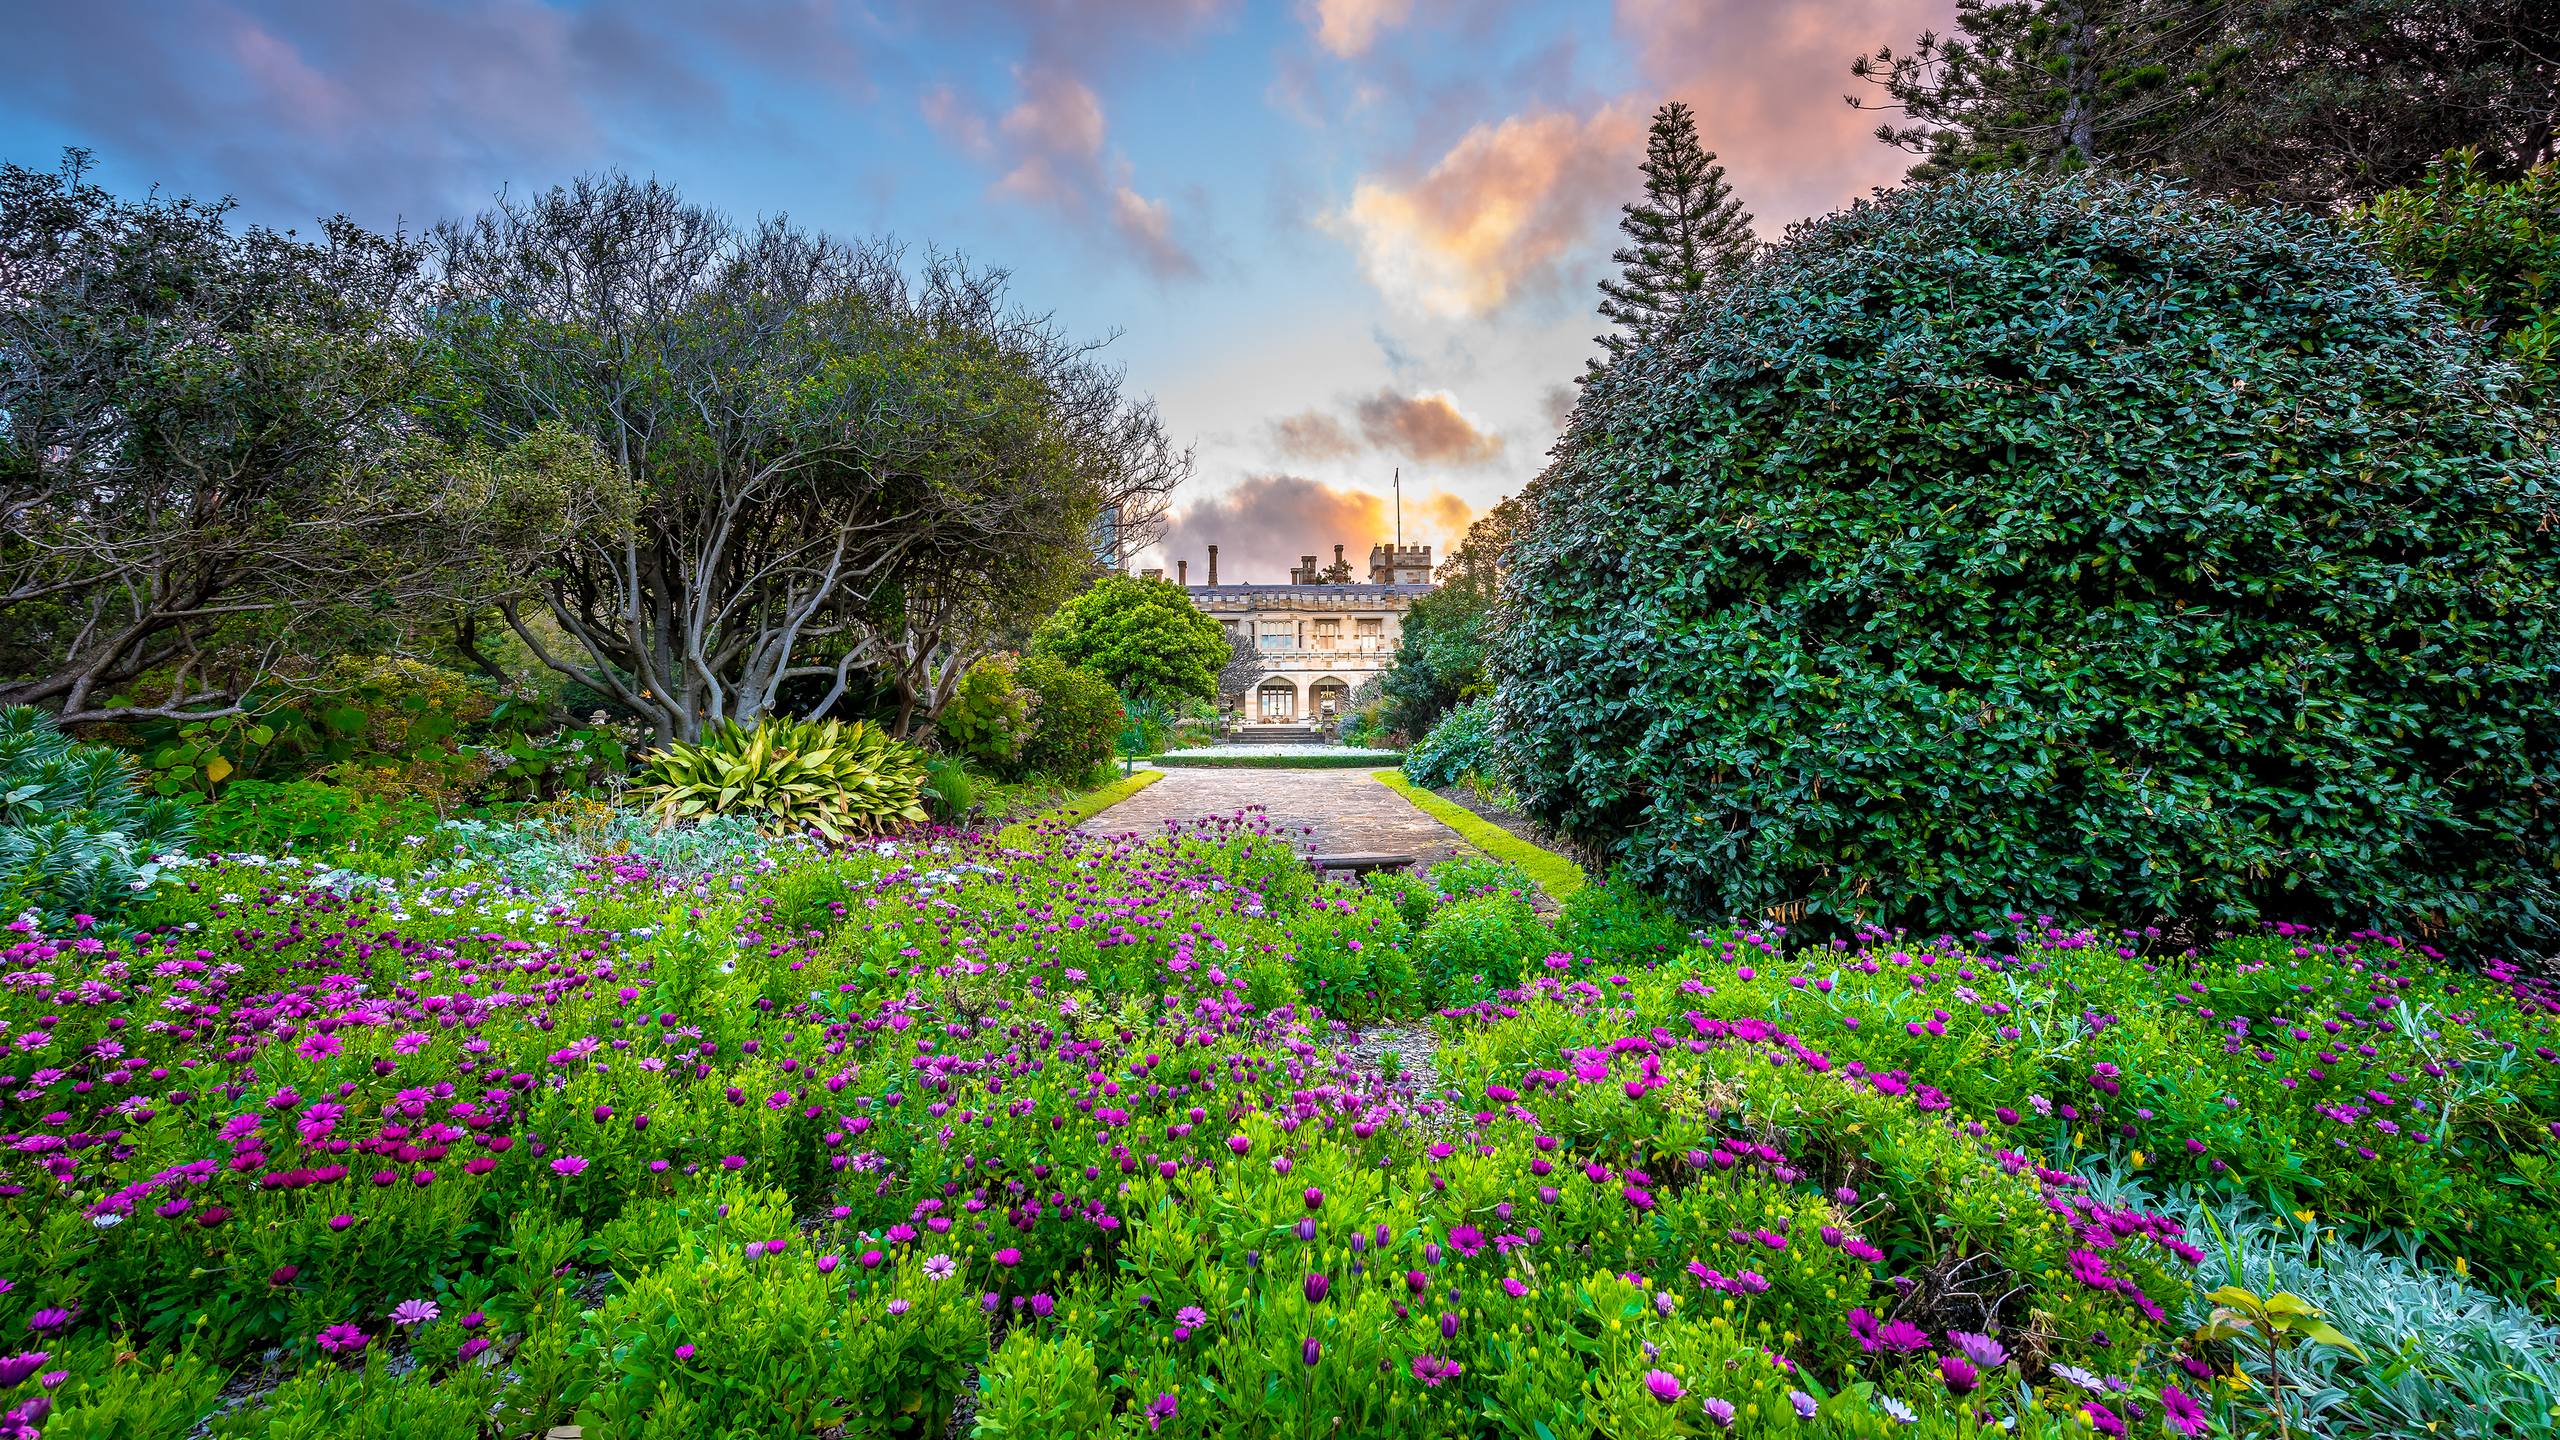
(1276, 700)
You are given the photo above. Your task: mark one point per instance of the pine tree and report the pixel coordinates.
(1688, 231)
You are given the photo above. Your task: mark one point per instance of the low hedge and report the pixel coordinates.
(1555, 874)
(1181, 760)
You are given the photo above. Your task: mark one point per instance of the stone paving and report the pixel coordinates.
(1338, 811)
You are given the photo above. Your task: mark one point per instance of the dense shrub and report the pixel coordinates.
(1144, 636)
(1460, 744)
(2074, 544)
(306, 817)
(76, 832)
(1478, 945)
(1618, 918)
(836, 779)
(990, 715)
(2490, 248)
(1075, 722)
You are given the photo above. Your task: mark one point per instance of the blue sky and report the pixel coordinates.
(1335, 237)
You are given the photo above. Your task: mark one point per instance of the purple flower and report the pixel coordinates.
(343, 1340)
(1315, 1198)
(1664, 1385)
(1431, 1369)
(414, 1312)
(569, 1165)
(1317, 1285)
(1804, 1404)
(1161, 1409)
(1720, 1410)
(1008, 1257)
(1982, 1350)
(1467, 1240)
(48, 1320)
(1959, 1374)
(1311, 1352)
(899, 1307)
(941, 1267)
(684, 1352)
(2185, 1415)
(15, 1369)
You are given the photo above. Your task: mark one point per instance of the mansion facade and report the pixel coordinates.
(1321, 634)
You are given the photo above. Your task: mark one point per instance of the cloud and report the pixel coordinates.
(1557, 401)
(403, 108)
(1428, 428)
(1499, 213)
(1264, 523)
(1054, 147)
(1767, 82)
(1349, 27)
(1313, 435)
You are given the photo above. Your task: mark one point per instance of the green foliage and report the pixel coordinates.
(1440, 646)
(837, 779)
(1478, 945)
(1146, 728)
(1144, 636)
(76, 832)
(1075, 722)
(949, 790)
(2016, 543)
(990, 714)
(1516, 862)
(1688, 232)
(1619, 919)
(305, 817)
(1461, 744)
(2490, 248)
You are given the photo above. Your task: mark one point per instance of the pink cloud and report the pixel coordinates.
(1497, 213)
(1349, 27)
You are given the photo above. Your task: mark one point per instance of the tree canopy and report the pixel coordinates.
(839, 469)
(1687, 232)
(2316, 102)
(211, 468)
(1143, 635)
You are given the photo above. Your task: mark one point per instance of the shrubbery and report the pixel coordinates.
(2072, 545)
(795, 775)
(1075, 721)
(76, 832)
(1462, 743)
(991, 715)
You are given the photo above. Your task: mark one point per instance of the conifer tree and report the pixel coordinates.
(1688, 231)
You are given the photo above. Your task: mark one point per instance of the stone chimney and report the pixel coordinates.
(1182, 570)
(1337, 555)
(1213, 564)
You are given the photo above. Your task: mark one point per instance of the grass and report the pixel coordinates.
(1186, 759)
(1083, 807)
(1555, 874)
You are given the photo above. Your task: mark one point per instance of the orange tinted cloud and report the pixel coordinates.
(1265, 523)
(1498, 212)
(1313, 435)
(1428, 428)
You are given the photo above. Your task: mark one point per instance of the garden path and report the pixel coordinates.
(1337, 811)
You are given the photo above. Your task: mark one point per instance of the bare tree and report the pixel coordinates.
(838, 468)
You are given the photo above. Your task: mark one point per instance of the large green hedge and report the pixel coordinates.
(2069, 545)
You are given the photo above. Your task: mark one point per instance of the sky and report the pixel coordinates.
(1334, 239)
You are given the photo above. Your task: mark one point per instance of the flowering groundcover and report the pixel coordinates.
(1073, 1140)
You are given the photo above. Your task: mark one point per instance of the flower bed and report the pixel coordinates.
(792, 1145)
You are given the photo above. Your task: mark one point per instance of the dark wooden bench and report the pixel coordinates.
(1358, 864)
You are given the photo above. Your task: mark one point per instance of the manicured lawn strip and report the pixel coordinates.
(1274, 762)
(1555, 874)
(1083, 807)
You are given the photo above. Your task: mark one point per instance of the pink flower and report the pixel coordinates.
(1665, 1386)
(569, 1165)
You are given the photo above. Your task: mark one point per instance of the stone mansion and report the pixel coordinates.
(1321, 634)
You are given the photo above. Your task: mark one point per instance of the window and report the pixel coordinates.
(1278, 634)
(1328, 634)
(1370, 629)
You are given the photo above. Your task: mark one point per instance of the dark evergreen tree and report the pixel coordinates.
(2316, 102)
(1688, 231)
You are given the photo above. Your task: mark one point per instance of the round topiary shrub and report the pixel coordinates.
(2065, 545)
